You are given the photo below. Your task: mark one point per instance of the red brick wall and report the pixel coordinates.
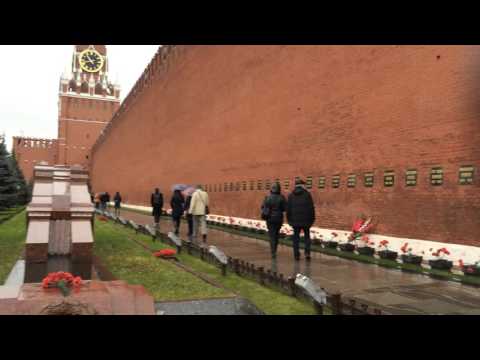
(216, 114)
(31, 151)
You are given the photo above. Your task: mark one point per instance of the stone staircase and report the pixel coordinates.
(106, 298)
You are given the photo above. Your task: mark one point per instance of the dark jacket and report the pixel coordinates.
(300, 208)
(187, 205)
(156, 200)
(277, 205)
(177, 205)
(118, 200)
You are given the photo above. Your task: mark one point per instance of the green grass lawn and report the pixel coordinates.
(131, 262)
(12, 242)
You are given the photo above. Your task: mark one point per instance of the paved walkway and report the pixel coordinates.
(391, 290)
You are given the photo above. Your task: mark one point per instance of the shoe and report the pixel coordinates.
(308, 258)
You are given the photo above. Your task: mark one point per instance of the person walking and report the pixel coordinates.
(107, 200)
(177, 204)
(118, 202)
(156, 201)
(103, 201)
(300, 216)
(189, 217)
(97, 201)
(273, 208)
(199, 210)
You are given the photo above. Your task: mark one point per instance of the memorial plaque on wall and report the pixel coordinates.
(231, 187)
(368, 179)
(336, 181)
(286, 184)
(252, 184)
(309, 182)
(244, 185)
(259, 185)
(436, 176)
(389, 178)
(411, 177)
(321, 182)
(225, 187)
(466, 175)
(351, 181)
(267, 184)
(237, 186)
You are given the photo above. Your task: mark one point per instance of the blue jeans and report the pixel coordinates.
(296, 241)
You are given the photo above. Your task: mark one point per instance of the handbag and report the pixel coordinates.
(207, 210)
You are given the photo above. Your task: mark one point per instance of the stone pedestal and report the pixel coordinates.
(92, 298)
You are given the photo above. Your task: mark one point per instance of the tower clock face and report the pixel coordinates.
(91, 60)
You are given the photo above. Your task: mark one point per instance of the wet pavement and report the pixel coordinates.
(230, 306)
(391, 290)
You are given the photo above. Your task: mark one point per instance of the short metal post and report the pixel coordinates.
(336, 300)
(292, 286)
(318, 308)
(224, 269)
(262, 275)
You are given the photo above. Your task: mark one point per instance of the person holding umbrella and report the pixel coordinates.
(177, 204)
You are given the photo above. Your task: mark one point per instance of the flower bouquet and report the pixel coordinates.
(165, 254)
(407, 256)
(332, 242)
(440, 263)
(361, 226)
(385, 252)
(366, 246)
(470, 269)
(63, 281)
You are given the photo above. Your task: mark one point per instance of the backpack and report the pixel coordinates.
(265, 212)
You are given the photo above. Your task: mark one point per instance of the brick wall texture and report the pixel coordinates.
(227, 114)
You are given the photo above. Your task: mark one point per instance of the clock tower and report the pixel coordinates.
(87, 102)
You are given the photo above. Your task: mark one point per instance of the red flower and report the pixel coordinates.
(357, 225)
(404, 248)
(334, 234)
(165, 253)
(384, 242)
(77, 281)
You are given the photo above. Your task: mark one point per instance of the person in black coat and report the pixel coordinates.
(156, 200)
(275, 205)
(300, 216)
(189, 217)
(118, 201)
(177, 204)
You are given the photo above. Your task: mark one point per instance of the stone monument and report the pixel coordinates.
(60, 223)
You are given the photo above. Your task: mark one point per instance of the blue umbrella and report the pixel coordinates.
(180, 187)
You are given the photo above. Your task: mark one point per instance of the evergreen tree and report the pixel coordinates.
(24, 192)
(8, 189)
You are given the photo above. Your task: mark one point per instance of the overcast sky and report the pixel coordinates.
(29, 83)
